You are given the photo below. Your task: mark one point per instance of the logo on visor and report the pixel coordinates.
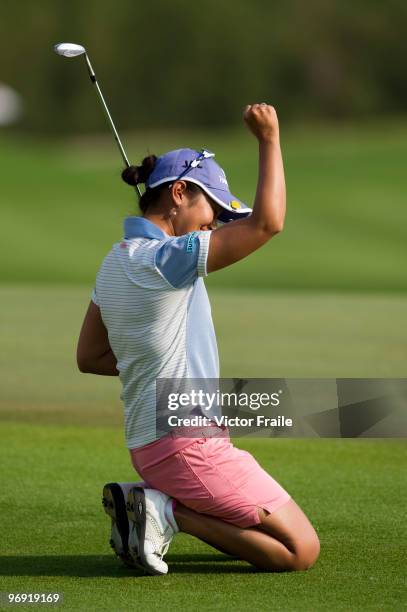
(222, 177)
(235, 204)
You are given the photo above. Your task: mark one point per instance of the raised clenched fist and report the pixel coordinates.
(262, 120)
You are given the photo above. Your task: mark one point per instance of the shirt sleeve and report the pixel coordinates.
(94, 297)
(181, 259)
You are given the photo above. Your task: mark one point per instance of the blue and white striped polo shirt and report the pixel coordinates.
(154, 304)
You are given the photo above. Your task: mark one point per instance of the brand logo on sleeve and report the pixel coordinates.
(190, 241)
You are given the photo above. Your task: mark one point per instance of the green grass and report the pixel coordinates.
(285, 334)
(62, 207)
(54, 532)
(62, 439)
(63, 204)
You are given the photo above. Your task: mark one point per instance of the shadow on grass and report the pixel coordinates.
(89, 566)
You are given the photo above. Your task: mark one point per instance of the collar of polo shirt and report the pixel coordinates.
(139, 227)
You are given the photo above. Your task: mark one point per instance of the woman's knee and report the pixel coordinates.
(306, 554)
(302, 557)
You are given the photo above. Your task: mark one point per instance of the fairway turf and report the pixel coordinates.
(62, 440)
(345, 221)
(55, 533)
(285, 334)
(326, 298)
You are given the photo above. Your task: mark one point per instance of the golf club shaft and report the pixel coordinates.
(115, 134)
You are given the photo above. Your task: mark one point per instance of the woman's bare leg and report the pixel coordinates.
(291, 527)
(284, 540)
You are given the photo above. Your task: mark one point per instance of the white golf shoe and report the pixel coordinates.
(151, 531)
(114, 503)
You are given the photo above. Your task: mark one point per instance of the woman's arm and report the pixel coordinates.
(237, 239)
(94, 354)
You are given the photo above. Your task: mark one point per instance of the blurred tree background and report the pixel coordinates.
(196, 64)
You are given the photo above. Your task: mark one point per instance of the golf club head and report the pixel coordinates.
(69, 49)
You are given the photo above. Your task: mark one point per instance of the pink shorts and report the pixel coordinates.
(209, 475)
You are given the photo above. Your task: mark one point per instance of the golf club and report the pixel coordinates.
(73, 50)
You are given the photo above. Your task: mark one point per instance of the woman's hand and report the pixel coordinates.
(262, 121)
(236, 240)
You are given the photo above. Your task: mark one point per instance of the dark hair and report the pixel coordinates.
(133, 175)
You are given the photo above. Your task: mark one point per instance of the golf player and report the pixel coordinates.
(150, 318)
